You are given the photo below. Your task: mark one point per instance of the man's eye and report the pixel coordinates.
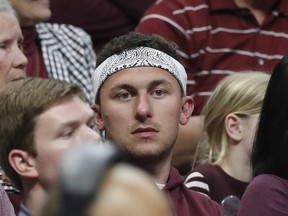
(124, 96)
(20, 45)
(68, 133)
(3, 46)
(158, 93)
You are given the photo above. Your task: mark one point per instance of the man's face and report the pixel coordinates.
(58, 129)
(32, 12)
(12, 60)
(141, 109)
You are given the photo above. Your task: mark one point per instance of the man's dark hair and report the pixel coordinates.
(133, 40)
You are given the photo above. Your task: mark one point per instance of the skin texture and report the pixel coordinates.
(12, 60)
(32, 12)
(241, 132)
(63, 126)
(142, 114)
(58, 129)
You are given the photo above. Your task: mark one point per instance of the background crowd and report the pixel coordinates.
(192, 93)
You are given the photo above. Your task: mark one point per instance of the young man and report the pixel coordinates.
(40, 120)
(140, 95)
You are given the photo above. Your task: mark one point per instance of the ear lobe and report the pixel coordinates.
(233, 127)
(98, 119)
(23, 163)
(187, 109)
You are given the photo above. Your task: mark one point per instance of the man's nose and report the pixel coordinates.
(143, 107)
(20, 60)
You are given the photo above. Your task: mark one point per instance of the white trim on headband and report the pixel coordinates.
(138, 57)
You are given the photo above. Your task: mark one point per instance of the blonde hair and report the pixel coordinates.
(241, 93)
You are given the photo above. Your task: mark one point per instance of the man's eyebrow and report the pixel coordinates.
(74, 122)
(122, 86)
(160, 82)
(151, 85)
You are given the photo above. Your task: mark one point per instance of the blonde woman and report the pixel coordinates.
(231, 116)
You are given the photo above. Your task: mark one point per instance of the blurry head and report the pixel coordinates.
(231, 113)
(271, 144)
(140, 93)
(12, 60)
(40, 118)
(107, 186)
(32, 12)
(127, 191)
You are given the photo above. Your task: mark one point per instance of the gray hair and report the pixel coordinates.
(5, 6)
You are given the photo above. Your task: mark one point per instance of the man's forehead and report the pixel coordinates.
(139, 75)
(138, 57)
(69, 106)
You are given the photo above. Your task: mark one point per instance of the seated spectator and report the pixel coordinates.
(140, 100)
(40, 120)
(215, 39)
(113, 187)
(55, 50)
(231, 117)
(102, 19)
(12, 67)
(12, 60)
(6, 208)
(267, 194)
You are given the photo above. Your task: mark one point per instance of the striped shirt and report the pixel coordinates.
(216, 38)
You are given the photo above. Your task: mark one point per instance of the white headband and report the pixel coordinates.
(138, 57)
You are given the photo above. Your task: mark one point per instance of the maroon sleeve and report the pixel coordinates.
(6, 207)
(265, 196)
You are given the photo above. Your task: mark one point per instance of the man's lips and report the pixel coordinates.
(145, 132)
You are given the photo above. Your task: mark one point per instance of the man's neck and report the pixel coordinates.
(34, 199)
(158, 170)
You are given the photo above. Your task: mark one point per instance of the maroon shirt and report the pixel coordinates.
(186, 202)
(6, 208)
(213, 181)
(216, 38)
(32, 50)
(102, 19)
(266, 195)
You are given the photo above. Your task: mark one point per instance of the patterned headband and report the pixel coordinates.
(138, 57)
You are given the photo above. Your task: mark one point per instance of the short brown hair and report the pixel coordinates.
(22, 102)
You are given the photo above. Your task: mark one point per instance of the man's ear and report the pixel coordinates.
(98, 118)
(23, 163)
(233, 127)
(187, 109)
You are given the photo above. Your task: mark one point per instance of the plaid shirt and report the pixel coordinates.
(68, 54)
